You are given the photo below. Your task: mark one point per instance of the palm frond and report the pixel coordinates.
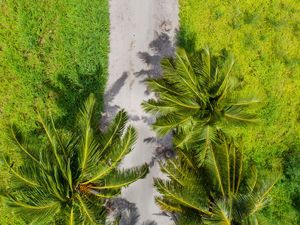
(242, 205)
(187, 197)
(221, 214)
(88, 142)
(167, 206)
(189, 218)
(252, 179)
(164, 124)
(186, 158)
(250, 220)
(38, 211)
(158, 108)
(224, 163)
(71, 217)
(262, 190)
(224, 82)
(215, 167)
(186, 137)
(53, 143)
(20, 141)
(164, 86)
(123, 178)
(115, 156)
(237, 115)
(181, 103)
(171, 170)
(207, 140)
(22, 175)
(246, 102)
(236, 166)
(180, 172)
(181, 73)
(183, 64)
(114, 131)
(86, 211)
(120, 151)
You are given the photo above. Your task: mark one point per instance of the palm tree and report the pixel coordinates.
(222, 191)
(195, 99)
(68, 177)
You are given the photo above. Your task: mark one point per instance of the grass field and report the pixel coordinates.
(52, 52)
(263, 35)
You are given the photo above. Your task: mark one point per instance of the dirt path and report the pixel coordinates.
(134, 25)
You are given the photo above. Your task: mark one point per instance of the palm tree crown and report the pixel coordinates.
(69, 179)
(195, 99)
(221, 192)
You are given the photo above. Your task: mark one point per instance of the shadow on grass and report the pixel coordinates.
(161, 47)
(71, 93)
(186, 40)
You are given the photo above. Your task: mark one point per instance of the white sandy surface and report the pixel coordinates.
(133, 27)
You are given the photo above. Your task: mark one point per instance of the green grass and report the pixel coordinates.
(52, 52)
(263, 35)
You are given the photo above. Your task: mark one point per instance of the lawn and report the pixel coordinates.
(52, 54)
(263, 36)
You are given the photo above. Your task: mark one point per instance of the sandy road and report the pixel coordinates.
(134, 24)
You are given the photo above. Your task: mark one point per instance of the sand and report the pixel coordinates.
(136, 24)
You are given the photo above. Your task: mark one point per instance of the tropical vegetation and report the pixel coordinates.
(222, 191)
(197, 100)
(208, 180)
(69, 179)
(59, 168)
(50, 51)
(263, 35)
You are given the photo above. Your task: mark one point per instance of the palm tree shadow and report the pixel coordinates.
(162, 47)
(186, 40)
(127, 212)
(164, 148)
(70, 94)
(110, 108)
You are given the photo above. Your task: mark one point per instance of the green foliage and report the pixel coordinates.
(74, 173)
(196, 100)
(52, 51)
(263, 36)
(222, 191)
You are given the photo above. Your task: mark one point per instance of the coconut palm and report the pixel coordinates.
(221, 191)
(69, 179)
(196, 99)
